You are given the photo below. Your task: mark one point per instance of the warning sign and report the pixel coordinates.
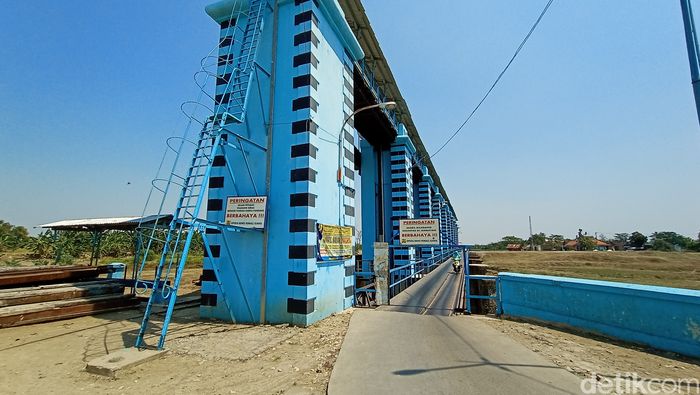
(246, 211)
(425, 231)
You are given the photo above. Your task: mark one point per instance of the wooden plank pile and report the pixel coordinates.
(35, 295)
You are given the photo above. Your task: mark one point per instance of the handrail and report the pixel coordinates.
(435, 260)
(479, 277)
(372, 83)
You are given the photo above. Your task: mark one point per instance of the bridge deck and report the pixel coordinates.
(435, 294)
(414, 346)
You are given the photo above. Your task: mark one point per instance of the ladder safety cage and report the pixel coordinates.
(174, 243)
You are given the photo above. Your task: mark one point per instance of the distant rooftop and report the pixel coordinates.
(112, 223)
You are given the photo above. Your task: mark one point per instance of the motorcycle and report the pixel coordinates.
(457, 263)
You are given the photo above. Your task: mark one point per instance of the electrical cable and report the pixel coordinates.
(517, 51)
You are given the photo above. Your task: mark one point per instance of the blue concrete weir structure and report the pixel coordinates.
(661, 317)
(311, 75)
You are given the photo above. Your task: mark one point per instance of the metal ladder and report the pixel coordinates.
(244, 64)
(182, 229)
(186, 221)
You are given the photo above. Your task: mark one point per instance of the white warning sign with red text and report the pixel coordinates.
(423, 231)
(246, 211)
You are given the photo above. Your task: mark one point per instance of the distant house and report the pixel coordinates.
(602, 245)
(514, 247)
(572, 245)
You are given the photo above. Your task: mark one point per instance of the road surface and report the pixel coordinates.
(415, 347)
(435, 294)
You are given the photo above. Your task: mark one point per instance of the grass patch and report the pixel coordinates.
(670, 269)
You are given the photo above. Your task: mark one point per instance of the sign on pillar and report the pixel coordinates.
(423, 231)
(381, 272)
(246, 211)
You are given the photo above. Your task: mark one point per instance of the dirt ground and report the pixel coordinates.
(670, 269)
(586, 354)
(205, 357)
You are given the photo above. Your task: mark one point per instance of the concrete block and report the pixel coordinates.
(661, 317)
(381, 270)
(108, 365)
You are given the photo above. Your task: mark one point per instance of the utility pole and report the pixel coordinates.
(691, 41)
(532, 241)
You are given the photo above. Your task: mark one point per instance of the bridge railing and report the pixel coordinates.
(468, 296)
(406, 275)
(364, 283)
(374, 86)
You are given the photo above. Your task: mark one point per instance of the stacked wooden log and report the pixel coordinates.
(35, 295)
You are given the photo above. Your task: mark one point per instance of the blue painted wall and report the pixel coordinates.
(237, 254)
(305, 98)
(661, 317)
(370, 209)
(402, 206)
(301, 93)
(423, 196)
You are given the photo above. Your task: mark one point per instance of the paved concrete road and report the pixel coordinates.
(388, 352)
(435, 294)
(415, 347)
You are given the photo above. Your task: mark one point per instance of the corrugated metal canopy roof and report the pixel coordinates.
(113, 223)
(359, 23)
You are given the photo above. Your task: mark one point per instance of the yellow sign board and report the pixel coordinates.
(334, 242)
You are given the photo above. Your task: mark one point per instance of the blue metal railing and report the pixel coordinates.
(467, 291)
(407, 274)
(373, 85)
(415, 270)
(363, 294)
(404, 276)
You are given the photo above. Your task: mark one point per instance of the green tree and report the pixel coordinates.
(669, 241)
(12, 237)
(621, 238)
(512, 240)
(502, 244)
(554, 243)
(586, 243)
(117, 244)
(538, 239)
(637, 240)
(43, 245)
(696, 244)
(662, 245)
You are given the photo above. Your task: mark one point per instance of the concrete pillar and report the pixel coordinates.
(402, 207)
(300, 96)
(424, 206)
(381, 271)
(237, 255)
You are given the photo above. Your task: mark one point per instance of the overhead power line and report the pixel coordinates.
(517, 51)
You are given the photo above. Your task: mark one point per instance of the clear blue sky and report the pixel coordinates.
(594, 125)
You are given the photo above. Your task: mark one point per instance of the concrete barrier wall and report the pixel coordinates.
(660, 317)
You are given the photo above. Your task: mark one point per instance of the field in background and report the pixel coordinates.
(22, 258)
(670, 269)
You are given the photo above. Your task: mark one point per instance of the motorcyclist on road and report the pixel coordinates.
(457, 262)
